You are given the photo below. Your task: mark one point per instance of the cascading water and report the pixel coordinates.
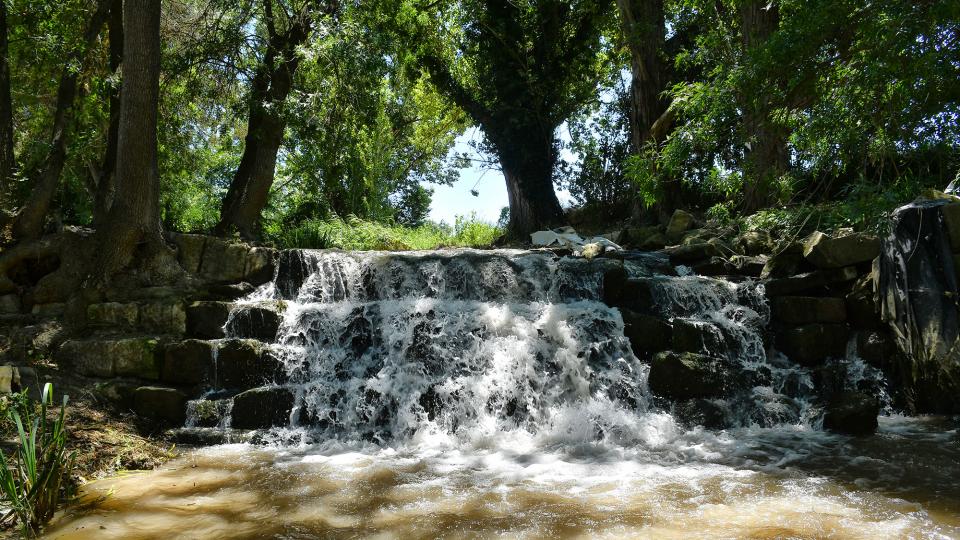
(471, 394)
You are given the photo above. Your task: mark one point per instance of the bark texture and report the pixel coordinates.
(250, 188)
(6, 114)
(644, 29)
(105, 179)
(134, 217)
(29, 221)
(766, 157)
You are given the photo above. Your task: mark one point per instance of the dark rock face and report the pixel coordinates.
(262, 408)
(809, 309)
(205, 320)
(166, 405)
(255, 322)
(682, 376)
(802, 283)
(877, 348)
(702, 412)
(245, 364)
(918, 294)
(693, 253)
(696, 337)
(826, 252)
(811, 344)
(647, 334)
(623, 292)
(189, 362)
(784, 263)
(853, 413)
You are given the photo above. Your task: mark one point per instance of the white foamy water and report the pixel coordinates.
(469, 394)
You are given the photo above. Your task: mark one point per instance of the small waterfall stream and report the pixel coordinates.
(469, 394)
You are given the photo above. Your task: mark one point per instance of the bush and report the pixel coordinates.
(357, 234)
(31, 484)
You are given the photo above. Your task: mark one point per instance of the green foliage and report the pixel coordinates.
(358, 234)
(31, 484)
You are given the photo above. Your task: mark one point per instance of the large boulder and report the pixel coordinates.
(619, 290)
(693, 252)
(647, 334)
(836, 252)
(783, 263)
(259, 322)
(188, 362)
(753, 243)
(166, 405)
(696, 336)
(682, 376)
(205, 320)
(951, 222)
(9, 303)
(811, 344)
(243, 363)
(643, 238)
(877, 348)
(853, 413)
(680, 222)
(262, 408)
(808, 309)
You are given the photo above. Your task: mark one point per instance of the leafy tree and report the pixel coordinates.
(519, 69)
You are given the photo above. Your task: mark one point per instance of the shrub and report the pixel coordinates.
(31, 483)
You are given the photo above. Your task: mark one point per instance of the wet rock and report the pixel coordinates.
(260, 265)
(262, 408)
(167, 405)
(693, 253)
(753, 243)
(836, 252)
(245, 364)
(208, 412)
(853, 413)
(293, 268)
(9, 303)
(811, 344)
(696, 336)
(791, 286)
(702, 412)
(113, 314)
(623, 292)
(876, 348)
(189, 362)
(647, 334)
(680, 222)
(682, 376)
(808, 309)
(133, 357)
(205, 320)
(255, 322)
(205, 436)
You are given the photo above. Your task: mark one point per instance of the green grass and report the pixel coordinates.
(357, 234)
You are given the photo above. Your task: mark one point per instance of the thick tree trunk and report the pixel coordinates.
(528, 164)
(135, 214)
(6, 115)
(106, 178)
(644, 29)
(29, 221)
(766, 156)
(250, 188)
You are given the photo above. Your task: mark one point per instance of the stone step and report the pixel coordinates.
(206, 436)
(164, 317)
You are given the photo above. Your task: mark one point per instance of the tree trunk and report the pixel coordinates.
(250, 188)
(6, 114)
(28, 223)
(135, 214)
(106, 178)
(766, 156)
(528, 164)
(644, 30)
